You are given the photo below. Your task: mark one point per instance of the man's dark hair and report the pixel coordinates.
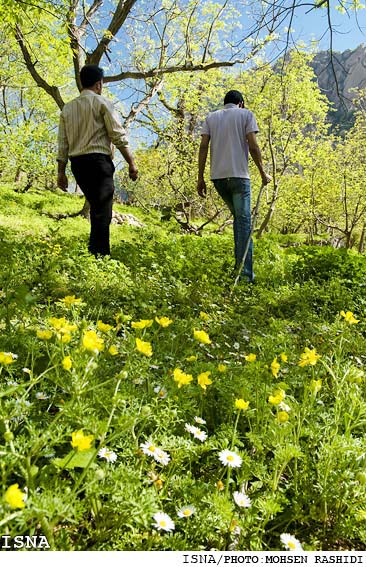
(233, 97)
(90, 74)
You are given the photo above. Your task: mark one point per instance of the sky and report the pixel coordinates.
(349, 29)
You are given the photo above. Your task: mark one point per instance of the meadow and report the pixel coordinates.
(147, 404)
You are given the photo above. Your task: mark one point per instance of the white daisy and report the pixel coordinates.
(196, 432)
(41, 396)
(161, 392)
(199, 420)
(27, 371)
(163, 522)
(186, 511)
(230, 459)
(148, 448)
(161, 456)
(290, 542)
(107, 454)
(241, 499)
(201, 435)
(284, 407)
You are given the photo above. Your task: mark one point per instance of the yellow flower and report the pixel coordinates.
(275, 367)
(349, 317)
(251, 357)
(192, 358)
(15, 497)
(70, 300)
(309, 357)
(204, 380)
(159, 483)
(67, 363)
(143, 324)
(81, 442)
(181, 377)
(144, 347)
(241, 404)
(220, 485)
(277, 398)
(204, 316)
(113, 350)
(62, 327)
(7, 358)
(315, 386)
(92, 342)
(163, 321)
(66, 338)
(284, 357)
(103, 327)
(202, 337)
(44, 334)
(282, 416)
(222, 368)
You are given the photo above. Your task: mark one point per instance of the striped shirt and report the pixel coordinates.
(89, 124)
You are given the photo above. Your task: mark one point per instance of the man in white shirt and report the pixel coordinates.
(89, 128)
(232, 134)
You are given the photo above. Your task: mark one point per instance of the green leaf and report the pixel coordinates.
(80, 459)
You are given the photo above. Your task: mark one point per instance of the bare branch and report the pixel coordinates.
(90, 13)
(174, 69)
(52, 90)
(135, 110)
(205, 51)
(74, 35)
(122, 11)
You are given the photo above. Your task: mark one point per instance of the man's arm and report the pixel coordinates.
(255, 152)
(202, 158)
(117, 135)
(62, 181)
(132, 169)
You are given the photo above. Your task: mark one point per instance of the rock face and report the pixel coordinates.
(348, 70)
(337, 76)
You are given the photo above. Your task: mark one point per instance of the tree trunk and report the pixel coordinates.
(361, 245)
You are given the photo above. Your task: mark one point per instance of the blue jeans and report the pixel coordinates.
(235, 191)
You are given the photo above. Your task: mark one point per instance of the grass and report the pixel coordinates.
(80, 381)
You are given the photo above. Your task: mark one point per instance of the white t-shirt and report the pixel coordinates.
(228, 129)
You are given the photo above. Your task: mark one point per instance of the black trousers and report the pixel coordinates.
(94, 175)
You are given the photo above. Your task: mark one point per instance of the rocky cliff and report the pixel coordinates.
(338, 76)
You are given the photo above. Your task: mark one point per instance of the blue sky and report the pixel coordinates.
(347, 33)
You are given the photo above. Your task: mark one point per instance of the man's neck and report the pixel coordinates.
(93, 90)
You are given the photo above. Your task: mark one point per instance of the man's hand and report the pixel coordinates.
(133, 172)
(265, 178)
(201, 188)
(62, 181)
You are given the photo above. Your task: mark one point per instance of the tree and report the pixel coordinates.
(291, 113)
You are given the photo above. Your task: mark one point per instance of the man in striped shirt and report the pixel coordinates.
(89, 128)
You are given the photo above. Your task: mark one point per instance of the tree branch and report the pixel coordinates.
(31, 66)
(173, 69)
(135, 110)
(123, 9)
(74, 34)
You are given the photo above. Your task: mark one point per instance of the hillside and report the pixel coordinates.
(338, 76)
(147, 405)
